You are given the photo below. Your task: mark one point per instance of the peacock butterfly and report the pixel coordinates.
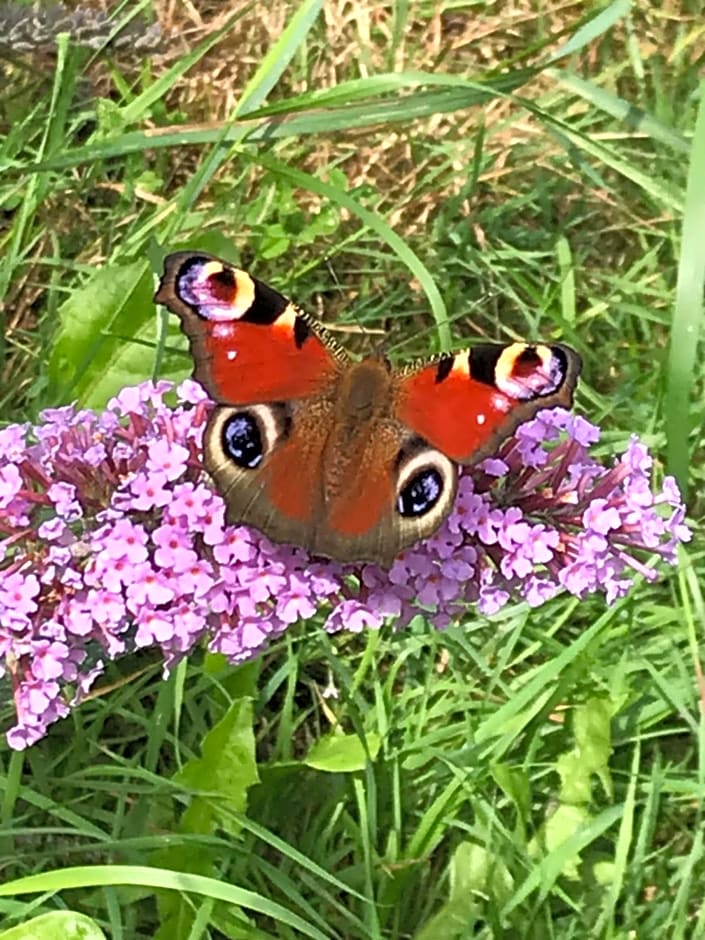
(352, 460)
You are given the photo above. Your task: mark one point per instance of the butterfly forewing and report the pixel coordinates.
(249, 343)
(465, 404)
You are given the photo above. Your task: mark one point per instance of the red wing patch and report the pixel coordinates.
(363, 505)
(242, 363)
(292, 477)
(465, 404)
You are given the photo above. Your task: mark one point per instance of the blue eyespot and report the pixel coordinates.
(421, 493)
(242, 440)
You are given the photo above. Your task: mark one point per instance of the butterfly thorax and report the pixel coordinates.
(363, 394)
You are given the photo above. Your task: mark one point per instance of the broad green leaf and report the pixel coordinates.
(57, 925)
(590, 756)
(563, 856)
(475, 870)
(107, 338)
(476, 875)
(592, 728)
(226, 770)
(561, 826)
(89, 363)
(543, 684)
(343, 753)
(576, 779)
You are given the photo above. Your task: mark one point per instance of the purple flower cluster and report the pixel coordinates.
(111, 539)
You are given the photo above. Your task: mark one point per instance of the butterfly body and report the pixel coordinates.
(351, 460)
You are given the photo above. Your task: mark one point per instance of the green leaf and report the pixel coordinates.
(475, 870)
(343, 753)
(57, 925)
(227, 769)
(108, 334)
(89, 363)
(475, 875)
(542, 686)
(576, 779)
(591, 753)
(592, 727)
(561, 826)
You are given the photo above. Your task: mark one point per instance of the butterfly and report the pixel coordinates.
(353, 460)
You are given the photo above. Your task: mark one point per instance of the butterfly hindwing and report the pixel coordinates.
(298, 474)
(256, 480)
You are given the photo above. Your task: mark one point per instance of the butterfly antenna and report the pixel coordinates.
(356, 329)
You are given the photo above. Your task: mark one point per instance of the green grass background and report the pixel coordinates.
(445, 172)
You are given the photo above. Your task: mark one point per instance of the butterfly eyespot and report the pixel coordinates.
(242, 440)
(216, 291)
(526, 372)
(421, 493)
(245, 436)
(426, 485)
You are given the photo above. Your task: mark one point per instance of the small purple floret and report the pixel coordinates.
(111, 539)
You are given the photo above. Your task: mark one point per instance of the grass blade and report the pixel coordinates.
(636, 119)
(281, 125)
(278, 58)
(158, 878)
(378, 225)
(137, 108)
(688, 312)
(594, 28)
